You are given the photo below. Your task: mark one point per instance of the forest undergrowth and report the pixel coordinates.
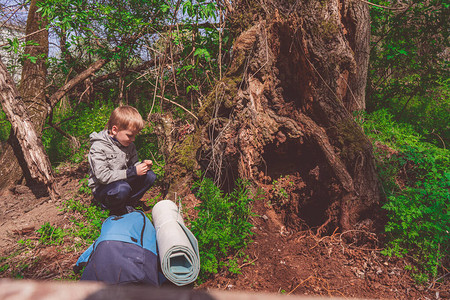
(407, 121)
(414, 174)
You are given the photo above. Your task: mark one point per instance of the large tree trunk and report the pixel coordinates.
(282, 115)
(34, 154)
(32, 92)
(34, 75)
(288, 119)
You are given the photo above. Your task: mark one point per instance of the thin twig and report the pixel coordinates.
(220, 43)
(179, 105)
(60, 122)
(443, 143)
(248, 263)
(382, 6)
(74, 141)
(300, 284)
(84, 92)
(12, 14)
(154, 160)
(439, 278)
(33, 33)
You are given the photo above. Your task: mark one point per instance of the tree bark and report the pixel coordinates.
(356, 20)
(34, 154)
(283, 111)
(34, 74)
(32, 92)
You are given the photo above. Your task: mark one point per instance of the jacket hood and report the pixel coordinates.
(99, 136)
(104, 137)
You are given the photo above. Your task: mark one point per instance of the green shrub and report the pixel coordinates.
(89, 225)
(416, 180)
(4, 268)
(86, 228)
(5, 126)
(79, 123)
(419, 217)
(50, 235)
(281, 189)
(84, 188)
(222, 226)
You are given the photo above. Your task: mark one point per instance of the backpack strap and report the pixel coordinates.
(143, 227)
(83, 259)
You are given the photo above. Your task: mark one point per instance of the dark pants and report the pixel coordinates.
(116, 195)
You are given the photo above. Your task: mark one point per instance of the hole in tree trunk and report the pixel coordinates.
(293, 71)
(301, 184)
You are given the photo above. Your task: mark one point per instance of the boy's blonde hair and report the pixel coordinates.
(125, 117)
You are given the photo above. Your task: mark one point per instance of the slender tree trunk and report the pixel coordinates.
(32, 92)
(356, 20)
(282, 113)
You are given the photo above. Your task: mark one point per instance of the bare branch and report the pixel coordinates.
(139, 68)
(73, 140)
(75, 81)
(385, 7)
(24, 37)
(179, 105)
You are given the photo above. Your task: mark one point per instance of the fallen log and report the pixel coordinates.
(38, 290)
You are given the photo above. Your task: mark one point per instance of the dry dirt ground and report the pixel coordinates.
(281, 260)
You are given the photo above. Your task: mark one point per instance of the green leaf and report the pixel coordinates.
(192, 87)
(164, 7)
(202, 53)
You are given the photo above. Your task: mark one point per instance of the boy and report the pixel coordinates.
(117, 178)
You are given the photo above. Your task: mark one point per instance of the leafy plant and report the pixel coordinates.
(6, 263)
(50, 235)
(27, 243)
(222, 226)
(84, 188)
(281, 189)
(4, 268)
(14, 46)
(89, 225)
(415, 177)
(5, 126)
(419, 218)
(409, 71)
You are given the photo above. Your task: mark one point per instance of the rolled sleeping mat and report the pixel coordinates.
(177, 246)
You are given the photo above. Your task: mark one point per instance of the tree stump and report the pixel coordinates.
(283, 112)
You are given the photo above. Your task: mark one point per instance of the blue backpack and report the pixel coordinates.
(125, 252)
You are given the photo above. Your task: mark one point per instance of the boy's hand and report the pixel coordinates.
(149, 163)
(142, 168)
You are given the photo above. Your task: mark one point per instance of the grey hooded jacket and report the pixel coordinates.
(110, 161)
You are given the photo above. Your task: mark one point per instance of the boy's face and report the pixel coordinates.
(124, 136)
